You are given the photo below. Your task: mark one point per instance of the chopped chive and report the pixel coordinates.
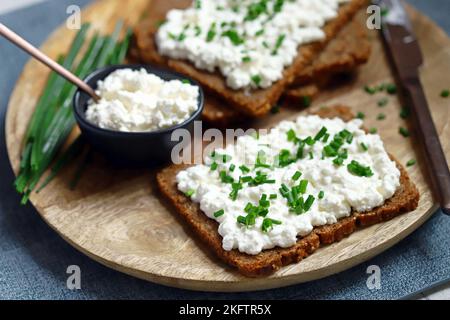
(232, 167)
(256, 79)
(235, 190)
(404, 132)
(241, 220)
(278, 5)
(306, 101)
(329, 151)
(303, 186)
(370, 90)
(391, 88)
(185, 81)
(268, 223)
(445, 93)
(309, 141)
(246, 59)
(338, 161)
(275, 109)
(325, 138)
(383, 102)
(349, 138)
(358, 169)
(278, 44)
(219, 213)
(405, 112)
(321, 194)
(381, 116)
(244, 169)
(291, 136)
(234, 37)
(296, 175)
(364, 146)
(172, 36)
(245, 179)
(189, 193)
(226, 158)
(259, 33)
(214, 166)
(373, 130)
(311, 155)
(273, 196)
(410, 163)
(211, 33)
(360, 115)
(261, 160)
(198, 31)
(284, 158)
(225, 178)
(320, 134)
(308, 203)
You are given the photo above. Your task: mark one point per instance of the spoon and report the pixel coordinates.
(39, 55)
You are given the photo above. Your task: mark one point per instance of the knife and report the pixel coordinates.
(406, 58)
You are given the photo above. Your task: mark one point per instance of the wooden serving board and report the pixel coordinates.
(117, 217)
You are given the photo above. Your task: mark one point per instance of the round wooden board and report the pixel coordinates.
(117, 218)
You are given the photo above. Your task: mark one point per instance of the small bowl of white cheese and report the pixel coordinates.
(139, 108)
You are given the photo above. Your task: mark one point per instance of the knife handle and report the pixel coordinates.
(428, 136)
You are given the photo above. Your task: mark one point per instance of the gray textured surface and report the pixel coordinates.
(33, 259)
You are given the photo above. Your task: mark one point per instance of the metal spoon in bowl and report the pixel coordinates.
(39, 55)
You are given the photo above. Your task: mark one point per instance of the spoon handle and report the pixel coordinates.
(39, 55)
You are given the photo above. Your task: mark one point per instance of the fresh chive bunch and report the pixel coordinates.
(53, 120)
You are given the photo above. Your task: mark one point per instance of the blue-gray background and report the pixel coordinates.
(33, 259)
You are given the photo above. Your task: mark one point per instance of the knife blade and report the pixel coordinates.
(406, 58)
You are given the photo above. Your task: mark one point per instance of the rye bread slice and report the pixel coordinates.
(349, 49)
(258, 102)
(404, 200)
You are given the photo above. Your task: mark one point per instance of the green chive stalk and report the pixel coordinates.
(53, 118)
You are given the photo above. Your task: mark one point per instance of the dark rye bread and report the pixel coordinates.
(258, 102)
(268, 261)
(350, 49)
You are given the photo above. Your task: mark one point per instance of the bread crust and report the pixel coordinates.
(268, 261)
(259, 102)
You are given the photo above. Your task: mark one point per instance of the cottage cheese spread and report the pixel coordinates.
(295, 184)
(249, 41)
(136, 101)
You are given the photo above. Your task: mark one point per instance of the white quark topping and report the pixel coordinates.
(249, 41)
(266, 191)
(137, 101)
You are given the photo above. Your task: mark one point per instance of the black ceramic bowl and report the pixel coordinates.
(131, 148)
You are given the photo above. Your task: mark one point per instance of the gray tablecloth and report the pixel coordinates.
(34, 259)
